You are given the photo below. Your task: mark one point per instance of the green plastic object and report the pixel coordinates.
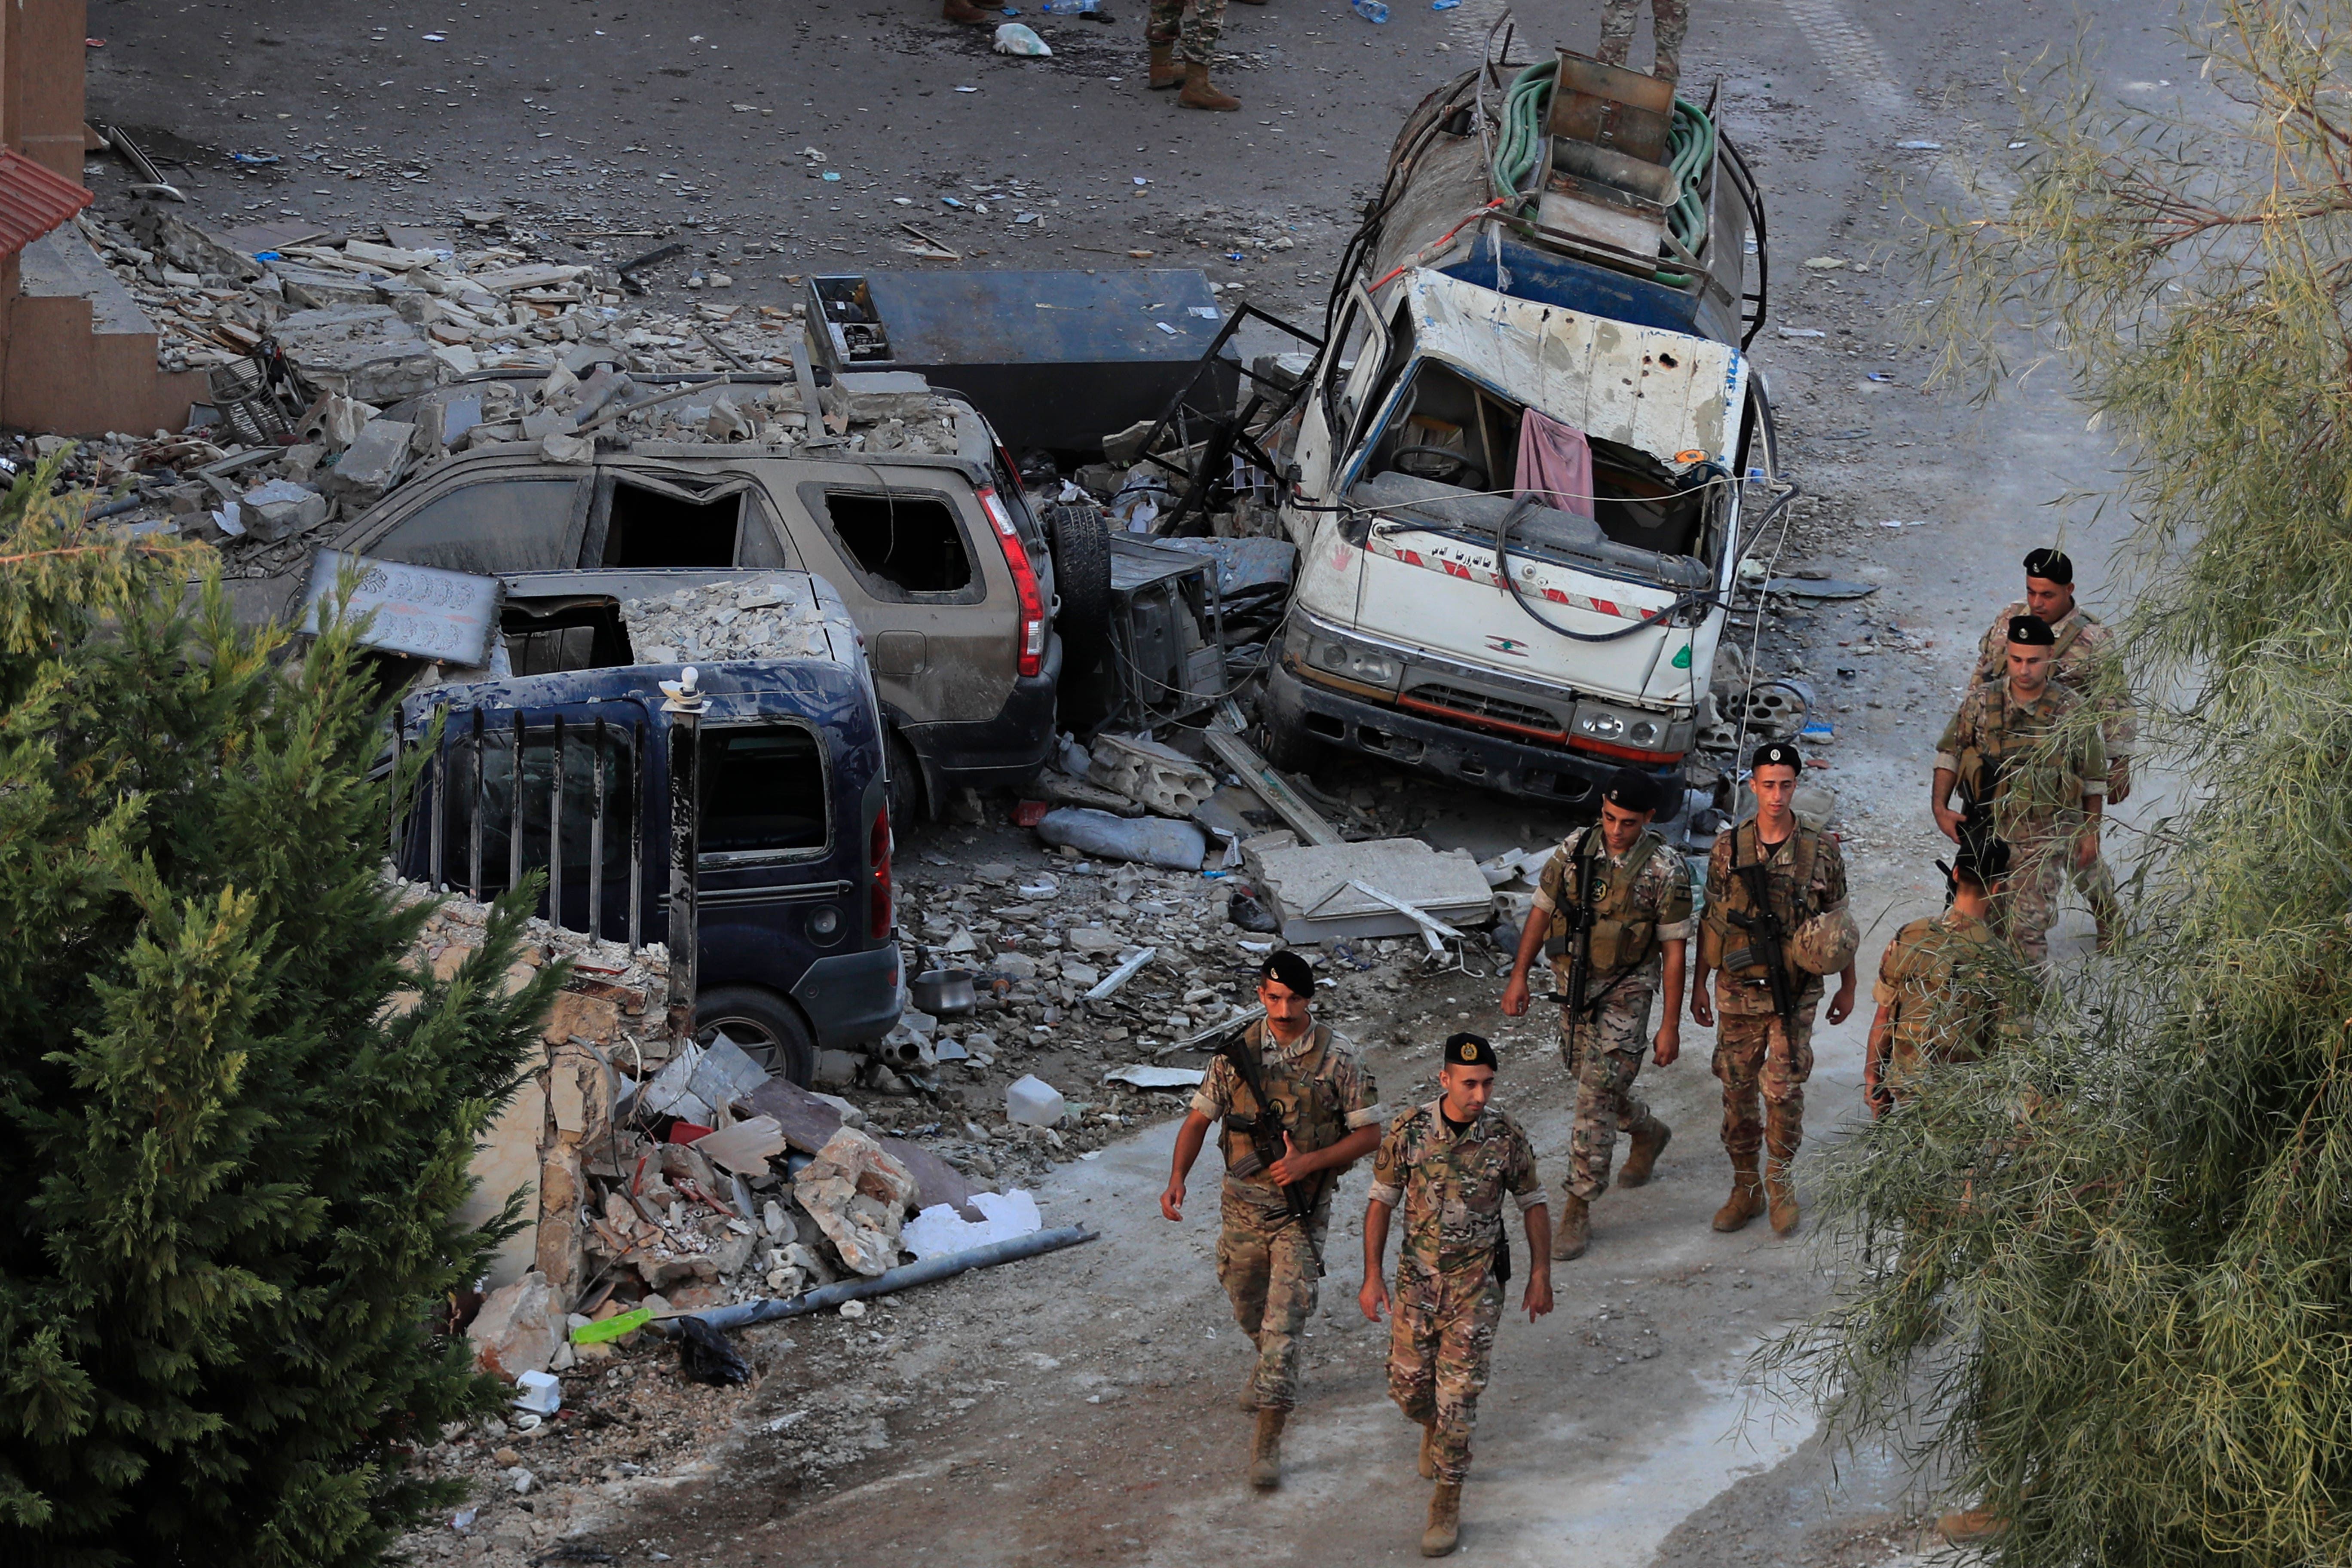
(612, 1328)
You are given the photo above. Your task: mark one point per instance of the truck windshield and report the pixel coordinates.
(1454, 452)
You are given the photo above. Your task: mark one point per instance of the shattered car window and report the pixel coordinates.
(904, 545)
(499, 526)
(765, 791)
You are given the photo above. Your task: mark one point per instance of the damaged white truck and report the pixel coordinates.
(1531, 450)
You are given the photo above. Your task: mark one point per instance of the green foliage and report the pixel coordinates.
(2110, 1271)
(230, 1172)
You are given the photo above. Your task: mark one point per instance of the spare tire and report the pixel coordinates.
(1082, 577)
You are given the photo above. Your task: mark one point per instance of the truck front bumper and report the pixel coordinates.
(1489, 761)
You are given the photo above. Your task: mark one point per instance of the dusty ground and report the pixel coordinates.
(1078, 1408)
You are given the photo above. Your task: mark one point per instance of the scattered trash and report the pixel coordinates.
(463, 1519)
(1245, 912)
(939, 1230)
(1371, 10)
(1802, 333)
(607, 1329)
(1018, 38)
(1826, 264)
(1919, 146)
(257, 159)
(1032, 1102)
(1144, 1077)
(705, 1356)
(540, 1392)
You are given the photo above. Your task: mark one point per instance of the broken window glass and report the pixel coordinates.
(495, 527)
(763, 791)
(902, 545)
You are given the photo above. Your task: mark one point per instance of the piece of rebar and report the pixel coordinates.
(767, 1309)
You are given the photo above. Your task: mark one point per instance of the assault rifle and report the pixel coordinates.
(1767, 939)
(1977, 796)
(1581, 917)
(1264, 1129)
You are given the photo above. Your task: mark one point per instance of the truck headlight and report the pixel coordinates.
(1624, 727)
(1356, 664)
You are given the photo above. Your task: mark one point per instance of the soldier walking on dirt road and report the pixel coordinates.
(1183, 35)
(1299, 1108)
(1612, 907)
(1447, 1164)
(1776, 922)
(2082, 653)
(2045, 805)
(1938, 988)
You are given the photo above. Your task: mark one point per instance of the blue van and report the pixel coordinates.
(796, 946)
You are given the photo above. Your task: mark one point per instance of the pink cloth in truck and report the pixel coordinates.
(1555, 464)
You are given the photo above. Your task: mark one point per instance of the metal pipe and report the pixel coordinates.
(514, 809)
(767, 1309)
(597, 836)
(474, 824)
(637, 836)
(556, 827)
(440, 733)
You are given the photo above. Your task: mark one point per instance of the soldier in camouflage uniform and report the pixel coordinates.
(1447, 1164)
(1670, 19)
(2045, 808)
(1641, 907)
(1757, 1053)
(1938, 990)
(1268, 1257)
(2082, 651)
(1182, 36)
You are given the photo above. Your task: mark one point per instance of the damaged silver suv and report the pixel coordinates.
(923, 532)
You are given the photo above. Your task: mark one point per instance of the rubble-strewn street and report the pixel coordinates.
(561, 235)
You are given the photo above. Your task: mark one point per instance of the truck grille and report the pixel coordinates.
(1479, 708)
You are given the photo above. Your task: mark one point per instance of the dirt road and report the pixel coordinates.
(1079, 1408)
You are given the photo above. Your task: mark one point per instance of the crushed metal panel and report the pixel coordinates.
(1662, 393)
(425, 612)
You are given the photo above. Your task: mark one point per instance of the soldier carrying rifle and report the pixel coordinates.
(1612, 910)
(1298, 1108)
(1776, 923)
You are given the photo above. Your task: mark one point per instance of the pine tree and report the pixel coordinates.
(2108, 1284)
(230, 1169)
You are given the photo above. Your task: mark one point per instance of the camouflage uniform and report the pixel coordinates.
(1806, 876)
(1605, 1052)
(1268, 1261)
(2083, 646)
(1192, 26)
(2037, 808)
(1940, 978)
(1446, 1301)
(1670, 20)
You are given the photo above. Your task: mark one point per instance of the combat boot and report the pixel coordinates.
(1444, 1521)
(1747, 1200)
(1650, 1140)
(1782, 1192)
(1265, 1451)
(965, 12)
(1428, 1464)
(1165, 70)
(1575, 1232)
(1199, 93)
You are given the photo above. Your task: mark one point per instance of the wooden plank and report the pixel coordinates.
(1259, 776)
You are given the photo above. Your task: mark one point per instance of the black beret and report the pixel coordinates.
(1630, 789)
(1469, 1050)
(2051, 567)
(2031, 631)
(1777, 754)
(1286, 968)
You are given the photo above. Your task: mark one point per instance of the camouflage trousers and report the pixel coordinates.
(1670, 20)
(1271, 1270)
(1441, 1345)
(1751, 1071)
(2041, 861)
(1192, 26)
(1605, 1056)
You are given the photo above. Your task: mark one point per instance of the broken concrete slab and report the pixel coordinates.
(809, 1120)
(859, 1195)
(1314, 877)
(373, 463)
(282, 509)
(1150, 774)
(517, 1328)
(364, 351)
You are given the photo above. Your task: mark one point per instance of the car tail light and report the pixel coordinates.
(1024, 580)
(877, 855)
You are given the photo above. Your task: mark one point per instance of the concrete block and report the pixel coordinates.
(372, 464)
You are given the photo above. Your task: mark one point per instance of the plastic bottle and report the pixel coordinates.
(1444, 5)
(1371, 10)
(1068, 7)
